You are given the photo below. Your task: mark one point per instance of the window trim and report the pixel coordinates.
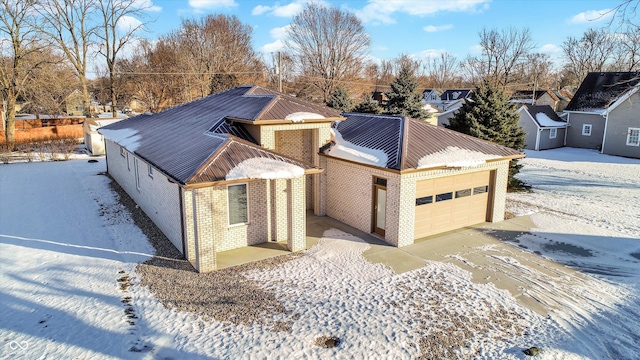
(229, 224)
(637, 137)
(586, 132)
(553, 133)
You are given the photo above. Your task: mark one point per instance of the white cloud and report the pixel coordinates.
(280, 32)
(429, 54)
(128, 23)
(147, 5)
(275, 46)
(550, 48)
(260, 9)
(591, 16)
(380, 11)
(212, 4)
(435, 28)
(289, 10)
(475, 49)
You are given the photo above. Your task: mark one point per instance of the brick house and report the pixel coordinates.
(244, 166)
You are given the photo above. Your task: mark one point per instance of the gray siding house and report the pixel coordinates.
(544, 128)
(604, 114)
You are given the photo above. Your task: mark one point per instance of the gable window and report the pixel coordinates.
(150, 171)
(238, 204)
(633, 137)
(586, 129)
(553, 133)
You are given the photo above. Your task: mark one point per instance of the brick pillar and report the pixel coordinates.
(205, 254)
(268, 139)
(297, 224)
(499, 180)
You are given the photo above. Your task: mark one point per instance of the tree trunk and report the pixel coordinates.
(113, 94)
(86, 100)
(10, 129)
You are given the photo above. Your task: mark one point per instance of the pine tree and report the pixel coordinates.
(341, 100)
(404, 99)
(369, 106)
(489, 116)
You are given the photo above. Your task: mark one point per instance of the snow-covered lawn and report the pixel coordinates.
(69, 289)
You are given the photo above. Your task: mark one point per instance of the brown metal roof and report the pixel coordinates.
(406, 140)
(233, 152)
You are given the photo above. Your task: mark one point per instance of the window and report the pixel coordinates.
(237, 200)
(553, 133)
(380, 181)
(463, 193)
(445, 196)
(122, 151)
(633, 137)
(424, 200)
(480, 190)
(150, 170)
(586, 129)
(135, 166)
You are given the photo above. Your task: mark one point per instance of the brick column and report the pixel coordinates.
(500, 177)
(297, 224)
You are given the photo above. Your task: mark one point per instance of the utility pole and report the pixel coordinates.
(279, 70)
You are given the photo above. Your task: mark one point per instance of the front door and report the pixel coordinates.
(379, 205)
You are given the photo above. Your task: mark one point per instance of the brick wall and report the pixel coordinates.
(348, 191)
(158, 197)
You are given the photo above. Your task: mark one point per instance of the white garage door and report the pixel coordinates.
(451, 203)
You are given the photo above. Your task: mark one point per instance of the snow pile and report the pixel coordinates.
(128, 138)
(454, 157)
(301, 116)
(360, 154)
(545, 121)
(264, 168)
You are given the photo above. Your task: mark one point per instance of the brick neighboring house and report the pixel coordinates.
(543, 127)
(604, 114)
(243, 166)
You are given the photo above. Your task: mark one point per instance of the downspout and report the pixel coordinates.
(538, 134)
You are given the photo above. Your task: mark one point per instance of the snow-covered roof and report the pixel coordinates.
(544, 116)
(408, 144)
(264, 168)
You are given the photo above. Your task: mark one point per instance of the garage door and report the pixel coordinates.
(451, 203)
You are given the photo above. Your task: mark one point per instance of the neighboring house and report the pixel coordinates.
(74, 103)
(380, 97)
(242, 167)
(448, 111)
(543, 127)
(540, 97)
(456, 94)
(93, 140)
(431, 96)
(604, 114)
(564, 98)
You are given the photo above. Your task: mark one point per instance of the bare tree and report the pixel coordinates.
(218, 44)
(329, 45)
(626, 12)
(19, 39)
(442, 69)
(501, 53)
(49, 84)
(627, 52)
(117, 26)
(589, 53)
(70, 25)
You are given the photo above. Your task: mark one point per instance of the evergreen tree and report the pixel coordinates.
(404, 99)
(489, 116)
(369, 106)
(341, 100)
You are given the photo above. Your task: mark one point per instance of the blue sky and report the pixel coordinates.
(420, 28)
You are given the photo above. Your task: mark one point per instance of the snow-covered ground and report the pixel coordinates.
(68, 287)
